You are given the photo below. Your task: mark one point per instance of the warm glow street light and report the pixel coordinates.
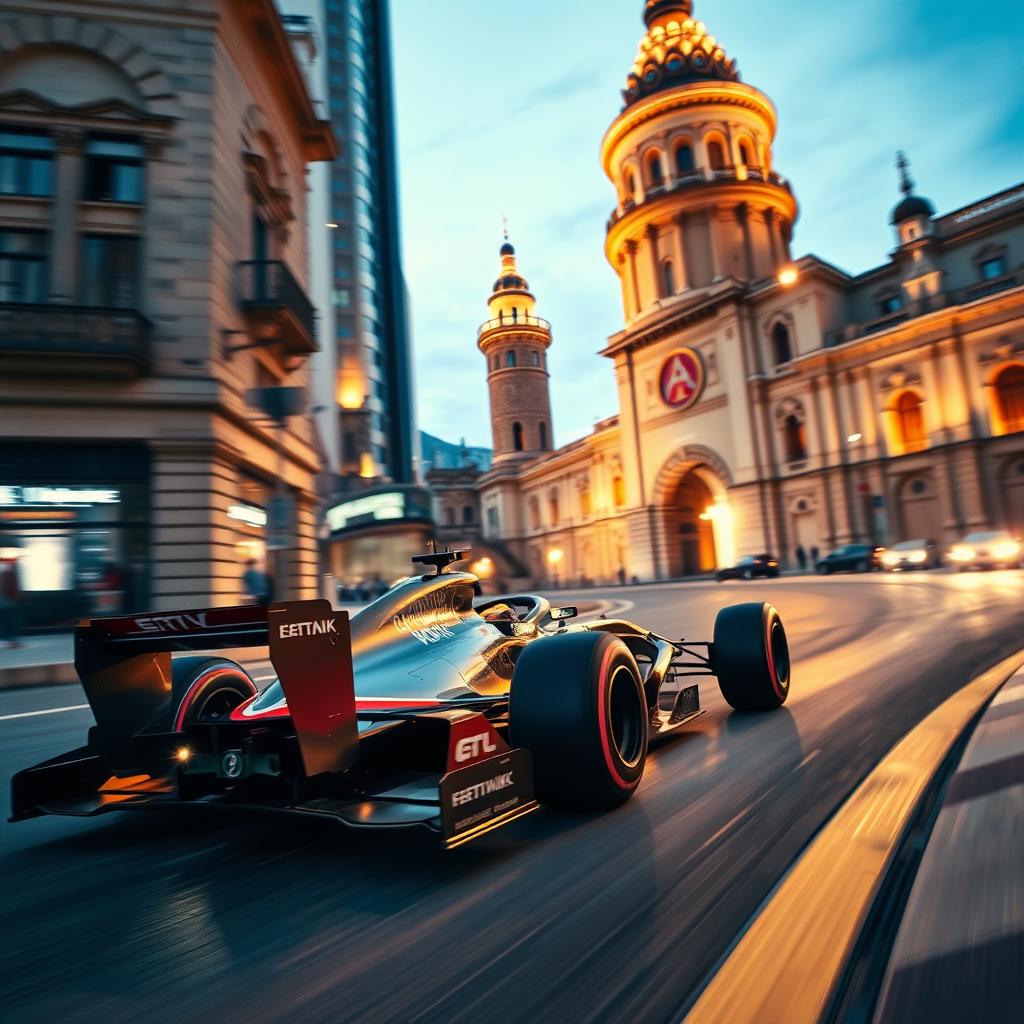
(788, 275)
(854, 438)
(555, 556)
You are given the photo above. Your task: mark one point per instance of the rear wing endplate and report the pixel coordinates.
(124, 664)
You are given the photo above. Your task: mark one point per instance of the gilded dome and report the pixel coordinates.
(675, 50)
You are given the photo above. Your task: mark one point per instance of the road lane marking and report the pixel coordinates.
(45, 711)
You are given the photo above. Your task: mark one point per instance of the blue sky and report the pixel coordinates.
(501, 109)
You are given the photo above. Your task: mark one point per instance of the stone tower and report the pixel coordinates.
(690, 156)
(514, 342)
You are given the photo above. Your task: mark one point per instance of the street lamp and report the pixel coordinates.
(788, 275)
(854, 438)
(555, 555)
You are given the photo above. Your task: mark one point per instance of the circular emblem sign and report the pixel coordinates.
(682, 378)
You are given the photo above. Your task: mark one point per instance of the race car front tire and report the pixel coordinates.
(750, 657)
(204, 687)
(577, 704)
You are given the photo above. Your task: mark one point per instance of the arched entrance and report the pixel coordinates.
(695, 522)
(689, 530)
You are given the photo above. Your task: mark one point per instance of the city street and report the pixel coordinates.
(188, 916)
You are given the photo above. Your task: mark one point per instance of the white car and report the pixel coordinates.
(991, 549)
(911, 554)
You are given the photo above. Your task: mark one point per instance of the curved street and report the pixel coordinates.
(618, 917)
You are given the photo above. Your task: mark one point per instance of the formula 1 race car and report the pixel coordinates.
(422, 710)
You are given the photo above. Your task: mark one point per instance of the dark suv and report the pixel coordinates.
(750, 566)
(850, 558)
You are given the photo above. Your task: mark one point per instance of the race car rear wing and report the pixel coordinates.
(124, 664)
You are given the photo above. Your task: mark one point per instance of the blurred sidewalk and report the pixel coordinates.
(959, 953)
(39, 661)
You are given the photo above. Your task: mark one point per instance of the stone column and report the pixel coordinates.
(64, 240)
(652, 242)
(773, 239)
(628, 300)
(717, 272)
(631, 248)
(825, 461)
(743, 216)
(680, 235)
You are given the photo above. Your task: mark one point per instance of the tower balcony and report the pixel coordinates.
(695, 180)
(522, 323)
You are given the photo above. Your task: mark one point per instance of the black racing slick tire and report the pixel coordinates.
(750, 657)
(206, 688)
(577, 704)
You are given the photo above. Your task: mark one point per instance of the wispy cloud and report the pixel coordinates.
(500, 114)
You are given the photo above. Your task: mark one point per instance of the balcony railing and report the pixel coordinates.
(54, 338)
(696, 179)
(520, 320)
(990, 287)
(942, 300)
(273, 299)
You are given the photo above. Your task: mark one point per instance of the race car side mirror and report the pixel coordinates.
(568, 612)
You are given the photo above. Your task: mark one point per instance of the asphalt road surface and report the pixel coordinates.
(559, 917)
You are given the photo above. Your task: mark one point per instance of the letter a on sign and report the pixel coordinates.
(682, 378)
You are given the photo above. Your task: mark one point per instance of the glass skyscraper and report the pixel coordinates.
(368, 296)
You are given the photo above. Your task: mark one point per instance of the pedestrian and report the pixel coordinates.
(257, 583)
(814, 556)
(621, 575)
(10, 601)
(801, 557)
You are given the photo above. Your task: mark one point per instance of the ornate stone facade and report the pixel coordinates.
(153, 218)
(829, 407)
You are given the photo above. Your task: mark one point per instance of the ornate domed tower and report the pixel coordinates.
(915, 239)
(690, 157)
(514, 342)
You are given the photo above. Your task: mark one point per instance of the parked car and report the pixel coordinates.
(912, 554)
(750, 566)
(851, 558)
(990, 549)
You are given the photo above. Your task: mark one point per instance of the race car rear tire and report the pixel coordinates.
(577, 704)
(204, 687)
(750, 657)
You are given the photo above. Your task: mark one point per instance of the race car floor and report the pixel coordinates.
(575, 917)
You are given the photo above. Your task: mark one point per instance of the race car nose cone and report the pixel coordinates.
(232, 764)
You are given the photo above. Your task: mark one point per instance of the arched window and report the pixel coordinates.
(668, 279)
(517, 436)
(745, 153)
(655, 172)
(535, 358)
(782, 347)
(618, 491)
(553, 509)
(449, 516)
(585, 502)
(510, 358)
(1010, 397)
(685, 163)
(716, 155)
(794, 436)
(543, 430)
(467, 514)
(629, 183)
(534, 513)
(910, 422)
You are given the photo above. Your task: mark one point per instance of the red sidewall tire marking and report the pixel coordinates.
(769, 622)
(204, 677)
(602, 720)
